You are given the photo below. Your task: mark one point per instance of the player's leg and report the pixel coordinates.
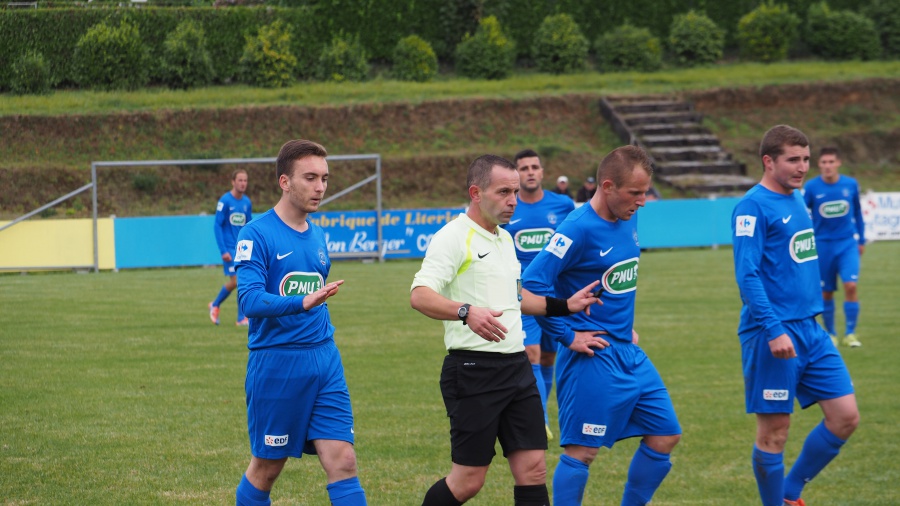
(522, 436)
(529, 470)
(571, 475)
(826, 381)
(533, 352)
(768, 456)
(224, 292)
(653, 417)
(257, 482)
(769, 386)
(548, 361)
(828, 273)
(338, 459)
(331, 430)
(849, 271)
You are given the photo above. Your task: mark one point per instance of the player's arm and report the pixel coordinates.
(219, 222)
(749, 244)
(860, 224)
(540, 305)
(483, 321)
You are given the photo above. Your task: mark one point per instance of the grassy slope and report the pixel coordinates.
(128, 395)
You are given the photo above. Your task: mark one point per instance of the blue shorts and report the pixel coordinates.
(228, 267)
(614, 395)
(534, 335)
(295, 396)
(817, 372)
(838, 258)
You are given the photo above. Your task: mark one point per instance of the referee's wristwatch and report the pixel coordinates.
(463, 312)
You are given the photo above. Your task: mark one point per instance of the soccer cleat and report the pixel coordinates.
(243, 323)
(549, 432)
(851, 341)
(214, 313)
(834, 340)
(798, 502)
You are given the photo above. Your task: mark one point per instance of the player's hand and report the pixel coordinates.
(322, 294)
(862, 249)
(226, 257)
(583, 299)
(634, 336)
(484, 322)
(585, 341)
(782, 347)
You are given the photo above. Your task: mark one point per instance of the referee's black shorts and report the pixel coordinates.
(491, 396)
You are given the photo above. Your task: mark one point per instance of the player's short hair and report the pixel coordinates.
(480, 170)
(621, 162)
(293, 151)
(830, 150)
(526, 153)
(235, 172)
(779, 137)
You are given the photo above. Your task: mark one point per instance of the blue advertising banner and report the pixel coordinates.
(406, 233)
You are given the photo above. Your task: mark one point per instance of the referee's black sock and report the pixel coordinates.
(531, 495)
(440, 495)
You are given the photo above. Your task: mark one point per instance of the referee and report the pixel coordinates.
(470, 279)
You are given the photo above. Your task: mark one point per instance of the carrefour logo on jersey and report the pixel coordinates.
(621, 277)
(533, 239)
(238, 219)
(300, 283)
(803, 246)
(834, 209)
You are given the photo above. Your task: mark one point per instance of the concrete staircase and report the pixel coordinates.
(685, 154)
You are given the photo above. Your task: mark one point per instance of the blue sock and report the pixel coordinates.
(769, 471)
(569, 480)
(851, 313)
(820, 447)
(347, 493)
(223, 294)
(547, 374)
(248, 495)
(647, 471)
(536, 369)
(828, 316)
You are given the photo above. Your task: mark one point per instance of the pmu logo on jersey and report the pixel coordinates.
(621, 277)
(803, 246)
(276, 440)
(593, 430)
(834, 209)
(559, 245)
(300, 283)
(776, 395)
(238, 219)
(533, 239)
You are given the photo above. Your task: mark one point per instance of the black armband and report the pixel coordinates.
(557, 307)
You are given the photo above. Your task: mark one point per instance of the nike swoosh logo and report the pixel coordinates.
(604, 253)
(282, 256)
(785, 220)
(513, 222)
(482, 256)
(820, 196)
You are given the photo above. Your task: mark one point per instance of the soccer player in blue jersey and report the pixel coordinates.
(607, 388)
(233, 211)
(785, 354)
(833, 200)
(297, 397)
(537, 215)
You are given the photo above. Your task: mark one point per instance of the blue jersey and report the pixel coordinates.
(231, 215)
(835, 209)
(584, 249)
(277, 267)
(532, 224)
(775, 261)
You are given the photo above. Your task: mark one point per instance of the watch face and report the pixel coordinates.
(463, 311)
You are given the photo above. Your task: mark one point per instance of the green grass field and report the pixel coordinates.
(115, 389)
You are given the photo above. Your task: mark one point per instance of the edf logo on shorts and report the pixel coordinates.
(776, 395)
(593, 430)
(276, 440)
